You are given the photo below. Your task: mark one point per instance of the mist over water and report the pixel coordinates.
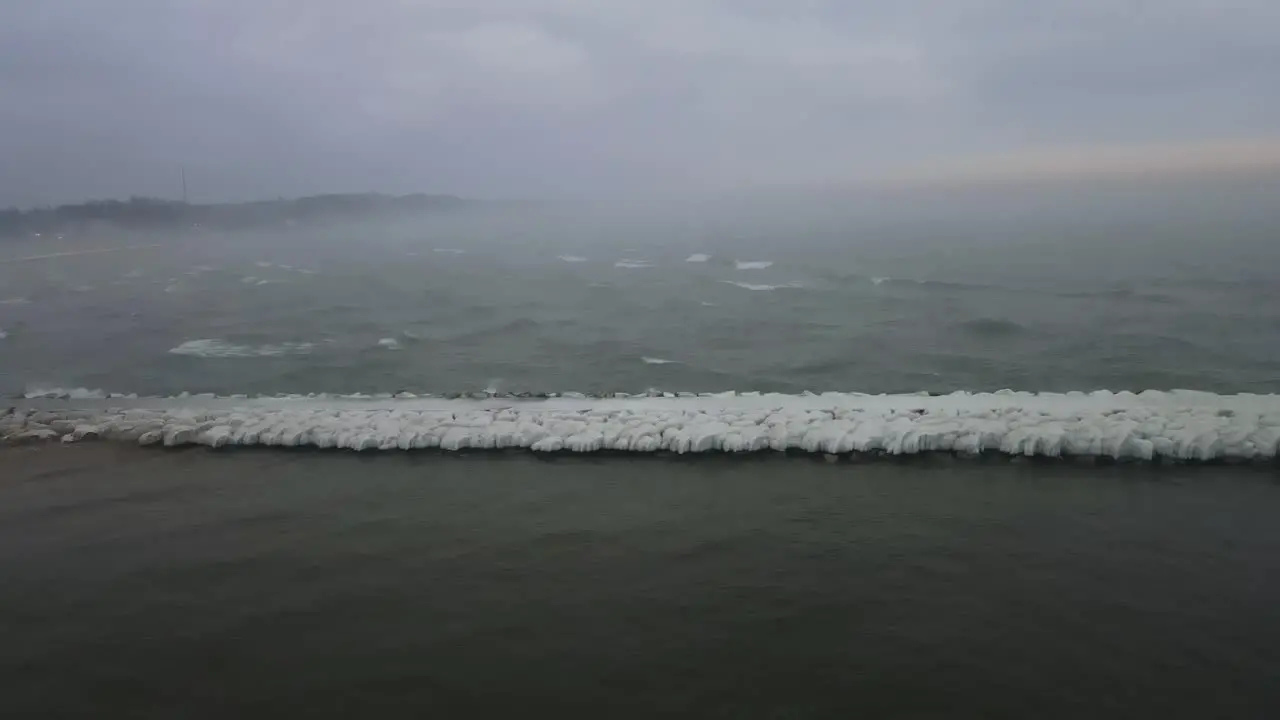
(939, 294)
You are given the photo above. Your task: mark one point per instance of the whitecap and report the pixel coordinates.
(880, 280)
(759, 287)
(3, 334)
(708, 304)
(633, 264)
(451, 251)
(263, 264)
(39, 391)
(82, 288)
(15, 301)
(249, 280)
(657, 361)
(572, 258)
(753, 264)
(389, 343)
(214, 348)
(263, 282)
(697, 258)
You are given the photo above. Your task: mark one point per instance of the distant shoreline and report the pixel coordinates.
(142, 213)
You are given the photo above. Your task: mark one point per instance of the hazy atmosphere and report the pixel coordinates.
(644, 358)
(574, 98)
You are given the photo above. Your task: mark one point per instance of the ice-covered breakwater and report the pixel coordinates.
(1182, 425)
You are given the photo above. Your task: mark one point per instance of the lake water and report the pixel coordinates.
(154, 584)
(604, 307)
(267, 583)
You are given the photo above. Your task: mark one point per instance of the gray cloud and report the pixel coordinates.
(569, 97)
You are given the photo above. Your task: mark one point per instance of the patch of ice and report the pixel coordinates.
(632, 264)
(389, 343)
(697, 258)
(572, 258)
(1181, 425)
(657, 361)
(753, 264)
(214, 348)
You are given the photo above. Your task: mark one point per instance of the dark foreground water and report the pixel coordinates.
(194, 584)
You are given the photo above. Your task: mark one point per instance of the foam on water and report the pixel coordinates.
(697, 258)
(15, 301)
(656, 361)
(448, 251)
(1183, 425)
(389, 343)
(632, 264)
(214, 348)
(572, 258)
(880, 280)
(753, 264)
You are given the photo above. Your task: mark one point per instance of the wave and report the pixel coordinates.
(15, 301)
(1182, 425)
(450, 251)
(3, 334)
(760, 287)
(753, 264)
(657, 361)
(389, 344)
(633, 264)
(572, 258)
(214, 348)
(697, 258)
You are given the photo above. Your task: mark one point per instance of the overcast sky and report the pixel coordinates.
(489, 98)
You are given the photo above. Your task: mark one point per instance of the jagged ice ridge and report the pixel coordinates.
(1183, 425)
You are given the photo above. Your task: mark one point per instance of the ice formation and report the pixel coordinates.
(753, 264)
(1182, 425)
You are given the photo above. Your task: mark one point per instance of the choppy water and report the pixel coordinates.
(291, 583)
(527, 307)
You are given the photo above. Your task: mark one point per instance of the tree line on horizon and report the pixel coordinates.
(147, 213)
